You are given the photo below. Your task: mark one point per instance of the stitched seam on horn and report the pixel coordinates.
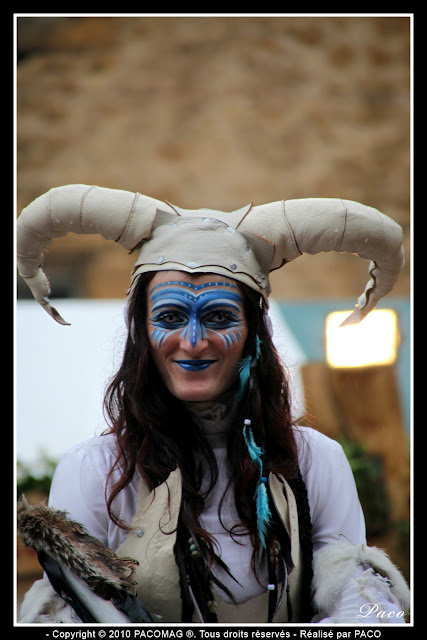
(126, 228)
(49, 200)
(82, 206)
(337, 248)
(30, 231)
(245, 214)
(35, 269)
(290, 228)
(27, 255)
(173, 207)
(380, 235)
(381, 231)
(369, 289)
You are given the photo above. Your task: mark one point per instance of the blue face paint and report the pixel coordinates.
(195, 365)
(194, 311)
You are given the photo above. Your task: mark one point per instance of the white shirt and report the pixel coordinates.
(79, 483)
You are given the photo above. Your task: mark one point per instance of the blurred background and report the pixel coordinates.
(217, 111)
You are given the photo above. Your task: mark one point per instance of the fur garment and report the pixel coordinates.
(42, 604)
(67, 542)
(335, 565)
(338, 569)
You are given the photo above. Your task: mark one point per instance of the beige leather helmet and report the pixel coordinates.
(245, 244)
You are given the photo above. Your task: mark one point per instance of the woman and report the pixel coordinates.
(232, 512)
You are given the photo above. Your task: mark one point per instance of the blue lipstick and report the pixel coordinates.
(194, 365)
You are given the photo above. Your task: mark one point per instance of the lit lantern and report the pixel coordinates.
(372, 342)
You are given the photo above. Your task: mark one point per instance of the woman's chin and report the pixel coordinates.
(197, 396)
(197, 393)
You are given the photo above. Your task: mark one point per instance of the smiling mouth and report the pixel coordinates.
(194, 365)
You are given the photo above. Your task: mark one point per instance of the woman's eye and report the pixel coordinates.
(220, 319)
(168, 319)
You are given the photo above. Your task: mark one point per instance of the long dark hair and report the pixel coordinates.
(155, 433)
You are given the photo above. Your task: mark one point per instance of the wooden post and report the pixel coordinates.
(363, 404)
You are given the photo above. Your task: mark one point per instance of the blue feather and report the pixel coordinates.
(255, 452)
(263, 512)
(245, 369)
(244, 374)
(261, 497)
(258, 347)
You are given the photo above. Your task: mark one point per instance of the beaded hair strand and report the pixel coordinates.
(196, 578)
(272, 534)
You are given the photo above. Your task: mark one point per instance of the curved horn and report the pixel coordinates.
(293, 227)
(117, 215)
(315, 225)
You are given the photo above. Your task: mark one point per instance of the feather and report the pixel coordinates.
(255, 452)
(258, 347)
(244, 374)
(263, 512)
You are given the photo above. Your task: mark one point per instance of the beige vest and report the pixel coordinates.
(151, 541)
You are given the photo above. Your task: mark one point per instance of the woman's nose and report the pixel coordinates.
(194, 338)
(193, 347)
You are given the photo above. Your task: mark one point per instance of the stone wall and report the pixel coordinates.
(216, 112)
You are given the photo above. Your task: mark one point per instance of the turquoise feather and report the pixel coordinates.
(261, 497)
(245, 369)
(255, 452)
(258, 347)
(244, 374)
(263, 512)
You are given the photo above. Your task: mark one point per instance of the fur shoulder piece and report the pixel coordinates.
(42, 605)
(336, 564)
(50, 531)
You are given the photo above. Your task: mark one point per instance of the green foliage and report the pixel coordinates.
(31, 479)
(369, 477)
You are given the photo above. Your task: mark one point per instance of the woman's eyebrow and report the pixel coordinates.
(170, 300)
(221, 304)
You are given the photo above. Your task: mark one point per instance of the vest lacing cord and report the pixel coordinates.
(196, 580)
(279, 562)
(305, 532)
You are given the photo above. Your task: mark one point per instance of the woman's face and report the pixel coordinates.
(197, 330)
